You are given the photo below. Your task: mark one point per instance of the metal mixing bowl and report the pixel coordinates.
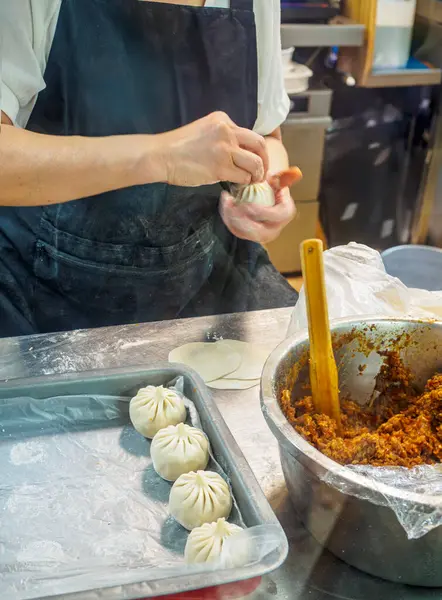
(360, 532)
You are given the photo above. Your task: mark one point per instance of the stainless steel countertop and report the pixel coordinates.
(309, 572)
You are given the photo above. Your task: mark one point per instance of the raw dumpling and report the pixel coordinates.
(179, 449)
(256, 193)
(198, 498)
(154, 408)
(205, 543)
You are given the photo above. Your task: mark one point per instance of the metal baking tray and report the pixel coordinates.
(33, 433)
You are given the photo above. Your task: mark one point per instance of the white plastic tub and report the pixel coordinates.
(296, 76)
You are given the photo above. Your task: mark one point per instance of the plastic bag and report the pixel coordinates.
(358, 285)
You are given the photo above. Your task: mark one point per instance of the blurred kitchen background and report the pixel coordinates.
(365, 124)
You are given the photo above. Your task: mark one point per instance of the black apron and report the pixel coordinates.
(149, 252)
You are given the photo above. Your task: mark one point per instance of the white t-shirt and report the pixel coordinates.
(27, 29)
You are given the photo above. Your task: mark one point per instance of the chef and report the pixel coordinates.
(121, 122)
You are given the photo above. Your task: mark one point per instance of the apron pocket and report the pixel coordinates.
(73, 292)
(154, 257)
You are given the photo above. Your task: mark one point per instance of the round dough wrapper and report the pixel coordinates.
(179, 449)
(209, 359)
(233, 384)
(205, 543)
(198, 498)
(154, 408)
(253, 358)
(256, 193)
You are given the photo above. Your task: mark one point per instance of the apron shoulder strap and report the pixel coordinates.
(241, 4)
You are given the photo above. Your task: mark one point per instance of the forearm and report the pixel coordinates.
(278, 157)
(39, 169)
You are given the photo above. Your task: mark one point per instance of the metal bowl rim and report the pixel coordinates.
(288, 438)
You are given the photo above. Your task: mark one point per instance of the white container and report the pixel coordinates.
(296, 76)
(287, 55)
(394, 28)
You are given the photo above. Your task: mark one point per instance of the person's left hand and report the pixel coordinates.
(262, 224)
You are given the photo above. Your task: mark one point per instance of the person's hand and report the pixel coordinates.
(262, 224)
(210, 150)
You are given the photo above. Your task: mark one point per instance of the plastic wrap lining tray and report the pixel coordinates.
(78, 490)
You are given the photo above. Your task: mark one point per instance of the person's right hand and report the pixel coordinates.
(213, 149)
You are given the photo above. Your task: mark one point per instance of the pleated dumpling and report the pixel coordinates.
(205, 543)
(154, 408)
(179, 449)
(256, 193)
(198, 498)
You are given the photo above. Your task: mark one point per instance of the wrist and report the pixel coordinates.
(278, 157)
(150, 163)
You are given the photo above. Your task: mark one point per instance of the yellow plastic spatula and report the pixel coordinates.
(323, 371)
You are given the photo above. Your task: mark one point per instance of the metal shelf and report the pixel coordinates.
(339, 32)
(430, 9)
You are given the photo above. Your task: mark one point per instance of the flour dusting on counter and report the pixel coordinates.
(27, 453)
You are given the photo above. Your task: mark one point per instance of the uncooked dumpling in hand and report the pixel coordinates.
(256, 193)
(179, 449)
(154, 408)
(263, 193)
(205, 543)
(198, 498)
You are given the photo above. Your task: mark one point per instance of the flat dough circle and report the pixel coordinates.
(211, 360)
(253, 358)
(233, 384)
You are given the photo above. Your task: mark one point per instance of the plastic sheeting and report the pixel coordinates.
(417, 518)
(82, 508)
